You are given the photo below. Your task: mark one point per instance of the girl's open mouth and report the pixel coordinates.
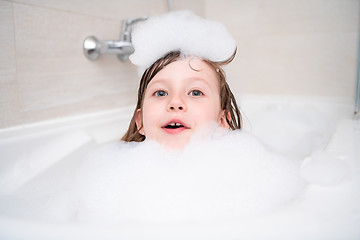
(174, 126)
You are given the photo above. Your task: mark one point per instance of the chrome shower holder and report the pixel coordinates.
(93, 48)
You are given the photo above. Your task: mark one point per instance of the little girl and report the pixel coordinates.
(184, 89)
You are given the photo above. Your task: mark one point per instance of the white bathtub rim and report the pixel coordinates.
(65, 123)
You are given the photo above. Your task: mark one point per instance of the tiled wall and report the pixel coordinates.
(307, 47)
(284, 47)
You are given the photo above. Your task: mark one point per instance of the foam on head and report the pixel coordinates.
(183, 31)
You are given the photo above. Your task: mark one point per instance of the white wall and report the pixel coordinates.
(304, 47)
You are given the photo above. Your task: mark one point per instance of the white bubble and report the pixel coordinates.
(323, 168)
(180, 30)
(228, 176)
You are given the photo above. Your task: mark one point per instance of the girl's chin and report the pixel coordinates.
(175, 143)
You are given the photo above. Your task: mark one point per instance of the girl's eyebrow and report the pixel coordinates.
(156, 82)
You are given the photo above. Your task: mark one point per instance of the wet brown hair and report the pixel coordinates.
(227, 99)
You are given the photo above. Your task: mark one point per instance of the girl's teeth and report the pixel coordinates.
(173, 124)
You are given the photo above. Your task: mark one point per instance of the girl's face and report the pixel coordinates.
(178, 101)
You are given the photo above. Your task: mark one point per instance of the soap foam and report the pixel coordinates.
(225, 177)
(180, 30)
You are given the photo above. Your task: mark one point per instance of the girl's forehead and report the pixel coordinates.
(196, 63)
(187, 67)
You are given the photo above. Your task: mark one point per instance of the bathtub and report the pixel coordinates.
(295, 127)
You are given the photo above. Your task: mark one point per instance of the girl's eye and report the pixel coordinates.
(196, 93)
(160, 93)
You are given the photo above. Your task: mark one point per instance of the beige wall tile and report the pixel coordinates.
(198, 7)
(282, 16)
(119, 9)
(9, 107)
(298, 64)
(292, 47)
(110, 9)
(7, 43)
(54, 77)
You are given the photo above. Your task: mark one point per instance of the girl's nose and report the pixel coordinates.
(176, 104)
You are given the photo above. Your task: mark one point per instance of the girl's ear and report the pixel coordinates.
(223, 123)
(138, 121)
